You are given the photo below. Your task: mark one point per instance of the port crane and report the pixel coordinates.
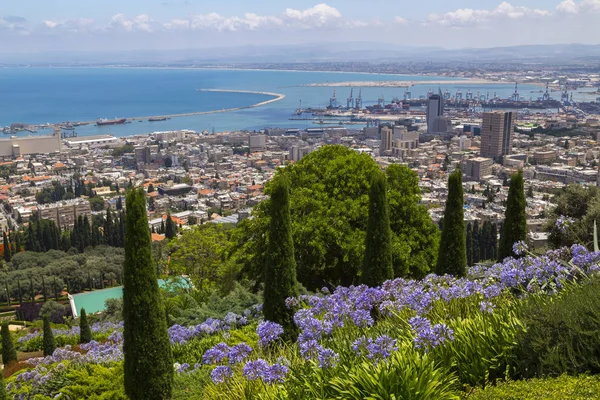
(350, 100)
(358, 103)
(333, 100)
(381, 102)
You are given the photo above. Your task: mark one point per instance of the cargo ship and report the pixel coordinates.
(104, 121)
(155, 119)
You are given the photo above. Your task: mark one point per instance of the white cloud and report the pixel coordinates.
(140, 23)
(568, 7)
(581, 7)
(468, 17)
(400, 21)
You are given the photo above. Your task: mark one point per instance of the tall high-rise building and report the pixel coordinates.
(435, 110)
(386, 139)
(496, 134)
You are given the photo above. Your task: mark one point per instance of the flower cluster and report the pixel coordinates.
(429, 336)
(98, 327)
(562, 223)
(221, 352)
(268, 332)
(181, 334)
(311, 348)
(260, 369)
(375, 350)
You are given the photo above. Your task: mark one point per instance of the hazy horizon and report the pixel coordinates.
(159, 25)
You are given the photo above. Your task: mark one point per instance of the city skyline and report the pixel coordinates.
(177, 24)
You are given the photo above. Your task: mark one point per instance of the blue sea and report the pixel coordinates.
(52, 95)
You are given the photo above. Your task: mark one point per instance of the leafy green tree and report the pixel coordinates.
(514, 228)
(415, 236)
(9, 354)
(377, 262)
(200, 254)
(170, 228)
(280, 267)
(96, 203)
(582, 204)
(85, 332)
(148, 358)
(49, 342)
(452, 258)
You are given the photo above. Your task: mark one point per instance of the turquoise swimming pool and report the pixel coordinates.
(93, 301)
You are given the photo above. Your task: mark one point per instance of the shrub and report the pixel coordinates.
(9, 354)
(563, 387)
(406, 375)
(563, 332)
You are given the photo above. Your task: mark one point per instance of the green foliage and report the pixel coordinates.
(452, 258)
(49, 342)
(119, 151)
(564, 387)
(170, 228)
(215, 306)
(200, 253)
(9, 354)
(329, 200)
(406, 375)
(191, 385)
(85, 332)
(148, 359)
(280, 266)
(377, 263)
(514, 228)
(96, 203)
(2, 387)
(415, 236)
(563, 332)
(583, 205)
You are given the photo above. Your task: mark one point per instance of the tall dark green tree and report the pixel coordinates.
(377, 262)
(452, 258)
(280, 262)
(486, 240)
(148, 358)
(170, 228)
(494, 242)
(85, 332)
(9, 354)
(514, 228)
(476, 243)
(49, 342)
(469, 239)
(7, 249)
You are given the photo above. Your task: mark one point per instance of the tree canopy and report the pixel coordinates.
(329, 200)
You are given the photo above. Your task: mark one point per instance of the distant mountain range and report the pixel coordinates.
(315, 53)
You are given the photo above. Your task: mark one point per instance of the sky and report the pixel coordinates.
(34, 26)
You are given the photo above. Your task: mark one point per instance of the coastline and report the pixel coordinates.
(277, 97)
(405, 84)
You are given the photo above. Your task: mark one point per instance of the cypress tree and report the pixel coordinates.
(2, 386)
(486, 238)
(452, 257)
(494, 242)
(170, 228)
(85, 332)
(514, 228)
(148, 358)
(49, 342)
(469, 239)
(7, 293)
(377, 264)
(7, 250)
(476, 243)
(9, 354)
(280, 263)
